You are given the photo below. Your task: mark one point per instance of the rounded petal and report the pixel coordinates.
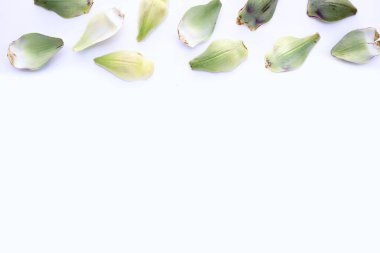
(32, 51)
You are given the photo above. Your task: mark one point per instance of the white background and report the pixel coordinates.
(186, 162)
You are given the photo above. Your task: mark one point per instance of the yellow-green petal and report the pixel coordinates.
(127, 65)
(152, 13)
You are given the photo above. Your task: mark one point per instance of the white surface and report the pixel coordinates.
(247, 161)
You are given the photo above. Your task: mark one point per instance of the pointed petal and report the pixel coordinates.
(289, 53)
(221, 56)
(358, 46)
(100, 28)
(127, 65)
(152, 13)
